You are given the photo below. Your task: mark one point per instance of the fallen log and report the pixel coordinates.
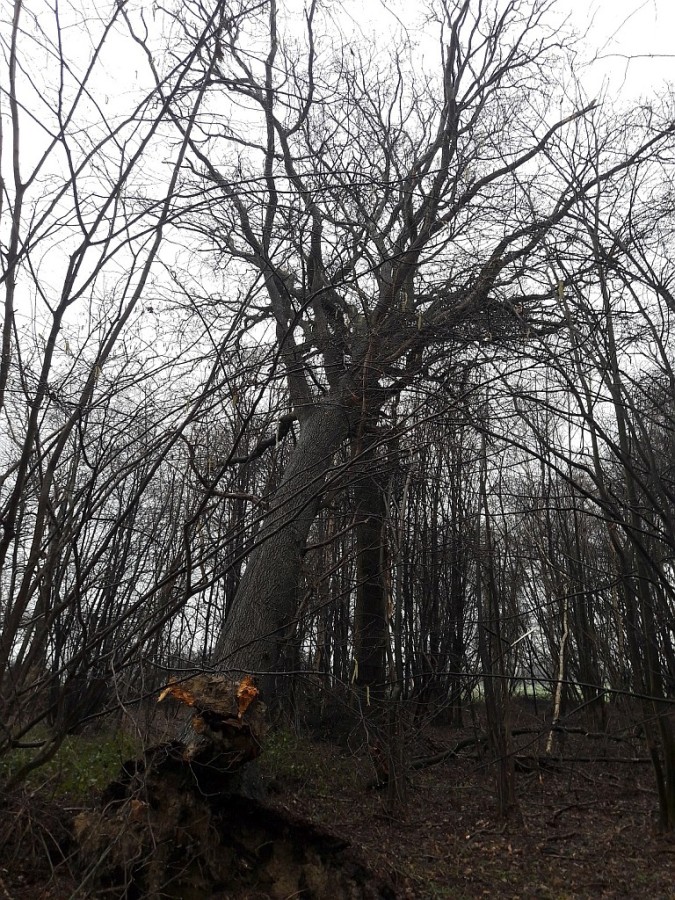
(188, 818)
(539, 731)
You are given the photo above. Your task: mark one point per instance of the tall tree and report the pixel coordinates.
(393, 209)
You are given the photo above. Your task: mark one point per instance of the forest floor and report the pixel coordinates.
(582, 828)
(583, 831)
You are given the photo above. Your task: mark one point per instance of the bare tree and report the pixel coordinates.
(616, 310)
(392, 215)
(88, 190)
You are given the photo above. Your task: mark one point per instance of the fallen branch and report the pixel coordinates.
(437, 758)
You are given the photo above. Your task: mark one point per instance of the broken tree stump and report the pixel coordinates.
(188, 820)
(228, 723)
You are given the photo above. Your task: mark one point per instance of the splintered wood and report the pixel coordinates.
(247, 692)
(188, 818)
(228, 715)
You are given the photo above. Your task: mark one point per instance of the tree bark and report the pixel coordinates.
(370, 615)
(265, 604)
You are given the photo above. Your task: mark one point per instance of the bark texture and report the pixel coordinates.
(370, 615)
(265, 606)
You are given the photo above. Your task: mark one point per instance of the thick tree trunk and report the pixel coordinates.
(370, 615)
(265, 605)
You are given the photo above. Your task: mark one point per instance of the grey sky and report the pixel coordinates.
(634, 40)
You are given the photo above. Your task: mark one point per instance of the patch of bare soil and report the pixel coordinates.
(585, 832)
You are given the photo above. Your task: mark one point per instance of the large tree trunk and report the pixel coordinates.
(370, 615)
(265, 605)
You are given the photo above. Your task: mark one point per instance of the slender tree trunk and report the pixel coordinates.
(491, 649)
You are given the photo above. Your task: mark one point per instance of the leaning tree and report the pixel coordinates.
(394, 201)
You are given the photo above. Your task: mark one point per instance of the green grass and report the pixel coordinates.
(288, 757)
(83, 765)
(292, 759)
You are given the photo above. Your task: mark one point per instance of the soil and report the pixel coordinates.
(586, 830)
(582, 829)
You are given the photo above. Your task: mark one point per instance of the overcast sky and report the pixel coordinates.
(636, 41)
